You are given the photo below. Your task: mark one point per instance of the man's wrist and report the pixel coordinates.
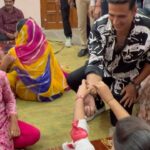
(137, 86)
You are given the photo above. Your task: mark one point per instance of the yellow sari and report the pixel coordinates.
(36, 73)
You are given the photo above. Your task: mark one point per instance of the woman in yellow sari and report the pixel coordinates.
(36, 74)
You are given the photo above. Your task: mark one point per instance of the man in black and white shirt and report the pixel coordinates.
(119, 46)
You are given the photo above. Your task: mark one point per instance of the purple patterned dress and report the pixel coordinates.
(7, 107)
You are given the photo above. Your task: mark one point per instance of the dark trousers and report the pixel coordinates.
(74, 81)
(140, 3)
(65, 12)
(3, 37)
(104, 7)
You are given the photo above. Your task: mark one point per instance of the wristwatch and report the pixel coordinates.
(137, 86)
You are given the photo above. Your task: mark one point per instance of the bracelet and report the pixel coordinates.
(79, 97)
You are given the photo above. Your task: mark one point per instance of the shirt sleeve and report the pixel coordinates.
(97, 43)
(2, 31)
(8, 96)
(20, 14)
(148, 57)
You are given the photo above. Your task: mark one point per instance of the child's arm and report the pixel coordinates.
(106, 95)
(10, 104)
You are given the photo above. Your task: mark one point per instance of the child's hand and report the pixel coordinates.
(104, 91)
(83, 91)
(14, 128)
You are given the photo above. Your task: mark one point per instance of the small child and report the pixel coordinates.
(13, 133)
(79, 132)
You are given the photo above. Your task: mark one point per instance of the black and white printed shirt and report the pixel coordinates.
(106, 61)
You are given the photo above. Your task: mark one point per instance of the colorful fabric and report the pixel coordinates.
(37, 74)
(29, 135)
(7, 107)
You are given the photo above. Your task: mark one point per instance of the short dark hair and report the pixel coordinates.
(131, 2)
(132, 133)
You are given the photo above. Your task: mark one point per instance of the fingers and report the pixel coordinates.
(84, 82)
(90, 106)
(15, 133)
(89, 111)
(128, 101)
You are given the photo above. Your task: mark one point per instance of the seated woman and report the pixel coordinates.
(35, 73)
(131, 133)
(13, 133)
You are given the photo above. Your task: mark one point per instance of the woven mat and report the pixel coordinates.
(103, 144)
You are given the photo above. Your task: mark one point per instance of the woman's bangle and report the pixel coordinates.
(79, 97)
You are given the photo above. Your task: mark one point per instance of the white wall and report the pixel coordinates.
(30, 8)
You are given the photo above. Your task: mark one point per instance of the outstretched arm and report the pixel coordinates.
(79, 103)
(79, 131)
(106, 95)
(10, 104)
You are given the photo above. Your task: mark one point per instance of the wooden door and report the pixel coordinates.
(51, 15)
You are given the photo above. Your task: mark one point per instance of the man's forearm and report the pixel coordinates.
(93, 76)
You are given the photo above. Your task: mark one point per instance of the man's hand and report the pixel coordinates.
(97, 12)
(92, 79)
(89, 105)
(91, 11)
(130, 95)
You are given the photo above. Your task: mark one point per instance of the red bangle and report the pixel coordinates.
(79, 97)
